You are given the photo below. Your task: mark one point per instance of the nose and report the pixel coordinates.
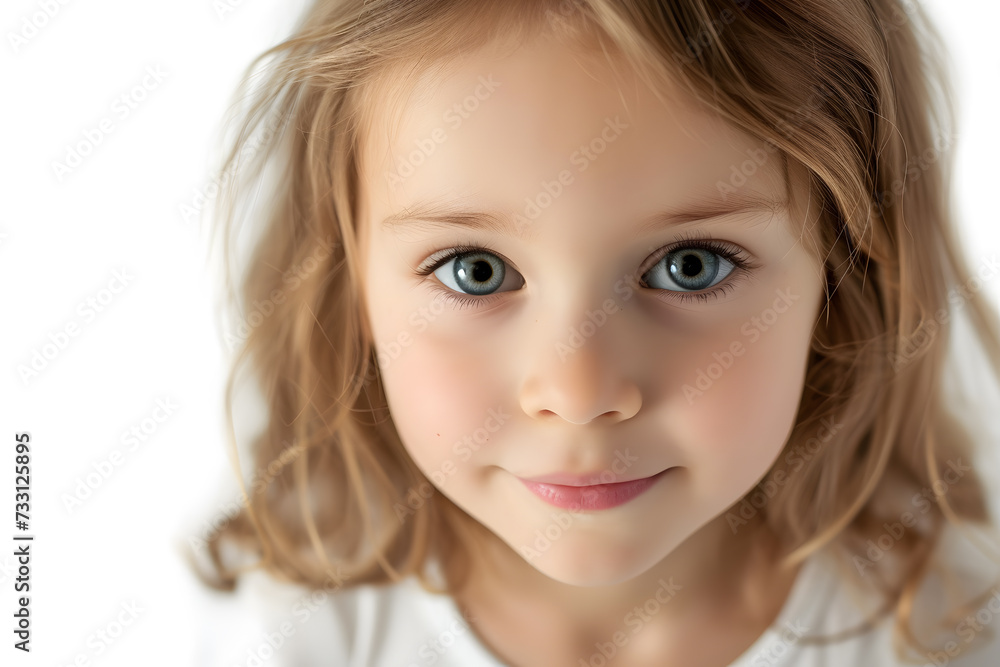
(581, 385)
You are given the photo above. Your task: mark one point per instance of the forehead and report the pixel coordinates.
(495, 126)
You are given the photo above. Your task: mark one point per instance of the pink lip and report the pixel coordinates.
(578, 495)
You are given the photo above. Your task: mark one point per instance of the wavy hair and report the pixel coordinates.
(854, 91)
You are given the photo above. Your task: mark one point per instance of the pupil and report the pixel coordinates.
(691, 265)
(482, 271)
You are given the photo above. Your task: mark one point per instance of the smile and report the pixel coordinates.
(594, 496)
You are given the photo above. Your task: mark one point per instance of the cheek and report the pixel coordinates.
(440, 398)
(740, 423)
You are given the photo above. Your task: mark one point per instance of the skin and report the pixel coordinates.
(623, 389)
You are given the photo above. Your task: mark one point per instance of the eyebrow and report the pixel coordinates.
(446, 214)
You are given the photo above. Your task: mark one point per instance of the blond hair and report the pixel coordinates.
(855, 91)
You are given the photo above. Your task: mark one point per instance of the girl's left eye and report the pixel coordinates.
(691, 269)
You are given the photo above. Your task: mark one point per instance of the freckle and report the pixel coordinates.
(439, 435)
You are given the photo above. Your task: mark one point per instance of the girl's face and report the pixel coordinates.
(581, 351)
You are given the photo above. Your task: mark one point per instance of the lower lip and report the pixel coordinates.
(594, 497)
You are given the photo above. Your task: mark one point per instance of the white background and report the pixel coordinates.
(158, 339)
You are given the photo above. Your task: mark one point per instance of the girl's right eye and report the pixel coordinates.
(478, 273)
(479, 270)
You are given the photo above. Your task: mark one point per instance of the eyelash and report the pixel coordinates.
(742, 267)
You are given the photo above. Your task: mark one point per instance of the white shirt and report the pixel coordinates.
(266, 623)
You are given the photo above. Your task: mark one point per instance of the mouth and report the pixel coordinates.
(583, 496)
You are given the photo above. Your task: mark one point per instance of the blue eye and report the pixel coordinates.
(478, 273)
(687, 269)
(692, 269)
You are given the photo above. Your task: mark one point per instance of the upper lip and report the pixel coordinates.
(588, 479)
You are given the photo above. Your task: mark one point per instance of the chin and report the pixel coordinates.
(593, 565)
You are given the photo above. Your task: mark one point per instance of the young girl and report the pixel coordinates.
(606, 332)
